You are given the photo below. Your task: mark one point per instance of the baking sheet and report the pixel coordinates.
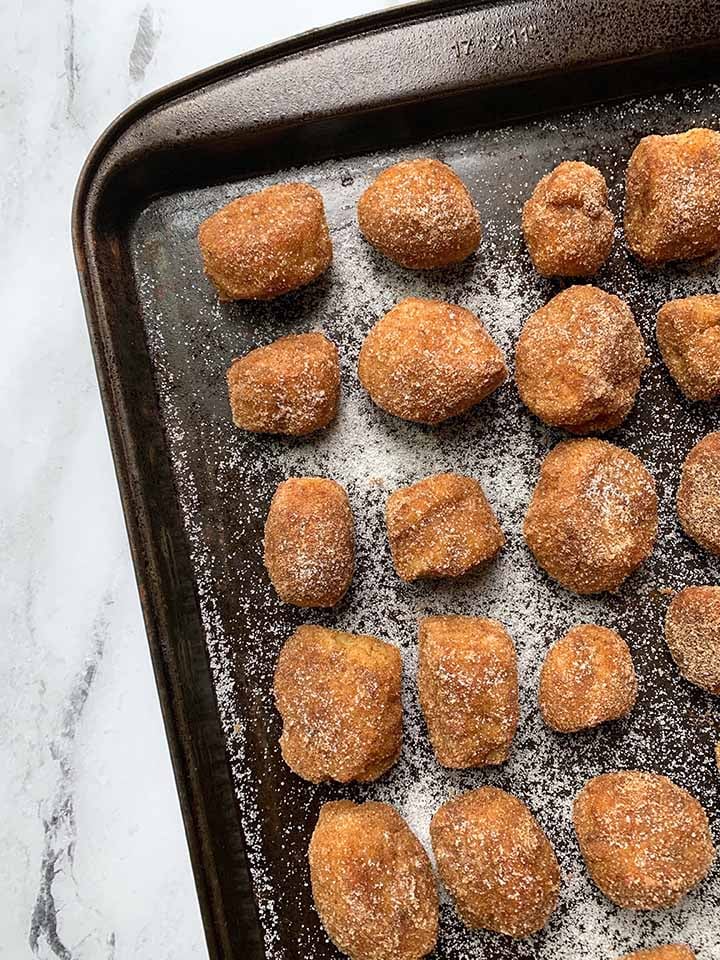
(225, 480)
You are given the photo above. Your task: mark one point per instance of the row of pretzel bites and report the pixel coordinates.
(591, 522)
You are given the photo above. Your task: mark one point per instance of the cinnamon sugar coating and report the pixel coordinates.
(496, 862)
(593, 516)
(426, 360)
(266, 243)
(672, 199)
(688, 334)
(579, 359)
(587, 678)
(442, 526)
(309, 548)
(692, 632)
(420, 214)
(674, 951)
(468, 688)
(372, 883)
(339, 698)
(645, 841)
(567, 222)
(698, 501)
(291, 386)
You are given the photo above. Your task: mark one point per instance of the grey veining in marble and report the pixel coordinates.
(93, 860)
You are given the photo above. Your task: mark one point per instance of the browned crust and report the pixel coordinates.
(372, 883)
(645, 841)
(442, 526)
(468, 688)
(673, 951)
(309, 547)
(339, 697)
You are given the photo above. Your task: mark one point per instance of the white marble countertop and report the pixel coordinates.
(92, 848)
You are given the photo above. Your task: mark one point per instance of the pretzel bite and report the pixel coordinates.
(339, 698)
(692, 632)
(372, 883)
(291, 386)
(688, 334)
(468, 687)
(588, 678)
(310, 542)
(698, 501)
(593, 516)
(672, 198)
(267, 243)
(442, 526)
(426, 361)
(420, 214)
(567, 222)
(579, 359)
(496, 862)
(645, 841)
(675, 951)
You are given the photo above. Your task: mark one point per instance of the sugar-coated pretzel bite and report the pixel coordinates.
(496, 862)
(442, 526)
(672, 197)
(426, 360)
(419, 214)
(567, 222)
(339, 698)
(309, 548)
(593, 516)
(646, 842)
(291, 386)
(266, 243)
(468, 688)
(372, 883)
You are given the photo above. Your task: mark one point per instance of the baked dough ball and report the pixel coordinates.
(442, 526)
(675, 951)
(593, 517)
(672, 201)
(567, 223)
(588, 678)
(692, 631)
(372, 883)
(698, 501)
(291, 386)
(339, 698)
(468, 687)
(420, 214)
(688, 334)
(579, 359)
(310, 542)
(427, 360)
(496, 862)
(267, 243)
(645, 841)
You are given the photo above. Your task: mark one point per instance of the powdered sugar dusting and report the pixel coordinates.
(225, 480)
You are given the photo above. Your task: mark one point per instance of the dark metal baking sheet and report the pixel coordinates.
(333, 108)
